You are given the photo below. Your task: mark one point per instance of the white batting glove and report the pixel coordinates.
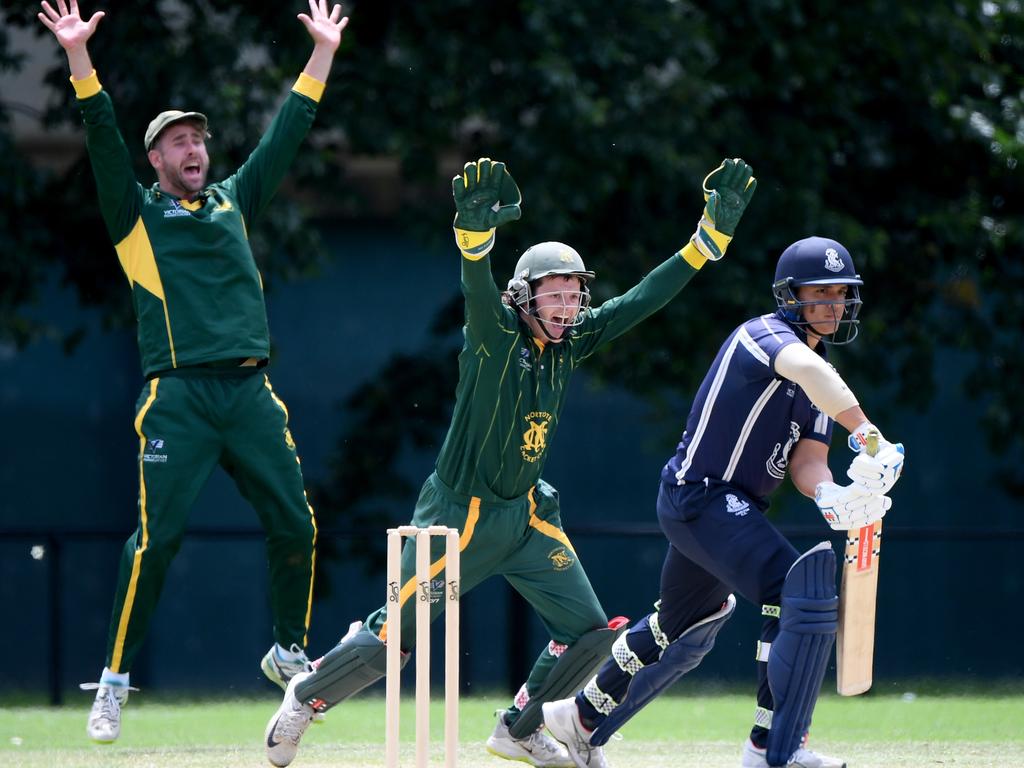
(877, 473)
(880, 472)
(847, 507)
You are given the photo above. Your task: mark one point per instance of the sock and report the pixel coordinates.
(118, 679)
(287, 654)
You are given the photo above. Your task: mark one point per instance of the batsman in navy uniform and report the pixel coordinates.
(766, 407)
(522, 346)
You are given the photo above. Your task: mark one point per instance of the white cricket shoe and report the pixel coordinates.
(280, 671)
(286, 727)
(563, 720)
(802, 758)
(104, 724)
(536, 749)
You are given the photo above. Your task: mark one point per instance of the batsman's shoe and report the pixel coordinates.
(280, 671)
(104, 724)
(802, 758)
(563, 721)
(536, 749)
(285, 729)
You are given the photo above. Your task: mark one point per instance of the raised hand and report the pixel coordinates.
(67, 25)
(728, 190)
(325, 28)
(486, 196)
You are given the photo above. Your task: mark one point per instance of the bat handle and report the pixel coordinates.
(871, 440)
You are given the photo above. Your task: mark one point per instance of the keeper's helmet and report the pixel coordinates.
(818, 261)
(542, 260)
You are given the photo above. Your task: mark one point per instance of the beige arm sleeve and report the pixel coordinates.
(825, 387)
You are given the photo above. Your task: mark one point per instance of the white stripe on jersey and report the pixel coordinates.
(821, 423)
(705, 413)
(752, 346)
(763, 319)
(748, 425)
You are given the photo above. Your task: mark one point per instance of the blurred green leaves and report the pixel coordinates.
(895, 128)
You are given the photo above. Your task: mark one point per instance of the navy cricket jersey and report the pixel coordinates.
(746, 418)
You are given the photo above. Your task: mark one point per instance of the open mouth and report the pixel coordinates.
(192, 171)
(560, 322)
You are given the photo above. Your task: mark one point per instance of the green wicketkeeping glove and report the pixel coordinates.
(727, 190)
(486, 196)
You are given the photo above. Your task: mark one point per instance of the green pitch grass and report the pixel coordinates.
(972, 730)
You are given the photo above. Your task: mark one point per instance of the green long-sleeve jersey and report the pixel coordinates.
(197, 292)
(512, 386)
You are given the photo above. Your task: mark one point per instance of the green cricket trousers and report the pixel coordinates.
(188, 422)
(521, 540)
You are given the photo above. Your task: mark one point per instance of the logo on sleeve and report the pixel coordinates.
(535, 438)
(734, 505)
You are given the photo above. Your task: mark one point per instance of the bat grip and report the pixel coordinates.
(871, 441)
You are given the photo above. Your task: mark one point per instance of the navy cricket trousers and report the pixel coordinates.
(720, 542)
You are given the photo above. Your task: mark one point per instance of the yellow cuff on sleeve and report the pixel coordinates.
(309, 86)
(692, 256)
(709, 241)
(87, 86)
(474, 245)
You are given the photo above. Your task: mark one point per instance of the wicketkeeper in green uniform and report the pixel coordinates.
(521, 348)
(204, 344)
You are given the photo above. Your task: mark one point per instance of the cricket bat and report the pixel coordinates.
(855, 642)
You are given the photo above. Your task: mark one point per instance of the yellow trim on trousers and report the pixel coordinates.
(312, 575)
(312, 518)
(546, 528)
(129, 598)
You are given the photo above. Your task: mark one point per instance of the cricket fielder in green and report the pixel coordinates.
(522, 345)
(204, 344)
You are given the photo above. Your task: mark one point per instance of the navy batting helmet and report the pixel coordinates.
(818, 261)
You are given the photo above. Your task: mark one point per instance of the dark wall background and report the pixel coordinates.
(897, 130)
(70, 472)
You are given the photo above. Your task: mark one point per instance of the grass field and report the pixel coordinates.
(974, 730)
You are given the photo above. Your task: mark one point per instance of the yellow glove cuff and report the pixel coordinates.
(87, 86)
(692, 256)
(474, 245)
(709, 241)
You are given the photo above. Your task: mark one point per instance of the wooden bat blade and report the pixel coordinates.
(855, 641)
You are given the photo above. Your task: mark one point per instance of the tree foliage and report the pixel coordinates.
(897, 129)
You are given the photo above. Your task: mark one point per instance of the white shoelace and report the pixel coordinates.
(291, 727)
(109, 707)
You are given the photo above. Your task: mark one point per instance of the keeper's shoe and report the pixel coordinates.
(563, 721)
(104, 724)
(286, 727)
(536, 749)
(279, 671)
(802, 758)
